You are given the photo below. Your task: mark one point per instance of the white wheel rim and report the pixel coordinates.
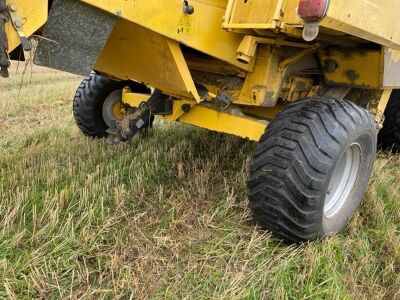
(343, 180)
(107, 111)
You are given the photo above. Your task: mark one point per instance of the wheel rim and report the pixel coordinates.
(343, 180)
(112, 108)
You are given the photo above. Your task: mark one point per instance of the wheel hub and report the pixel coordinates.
(113, 108)
(343, 180)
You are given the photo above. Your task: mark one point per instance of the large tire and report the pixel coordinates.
(299, 186)
(89, 99)
(389, 136)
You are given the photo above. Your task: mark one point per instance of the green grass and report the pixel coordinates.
(165, 217)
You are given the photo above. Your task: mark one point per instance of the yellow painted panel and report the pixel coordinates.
(373, 20)
(261, 88)
(253, 11)
(133, 99)
(352, 67)
(290, 12)
(211, 119)
(33, 15)
(202, 30)
(136, 53)
(261, 14)
(177, 110)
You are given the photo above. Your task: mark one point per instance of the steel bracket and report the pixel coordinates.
(18, 24)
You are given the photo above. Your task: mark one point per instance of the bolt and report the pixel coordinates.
(187, 9)
(18, 23)
(186, 107)
(12, 7)
(118, 12)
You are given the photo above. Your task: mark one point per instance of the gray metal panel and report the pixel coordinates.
(74, 36)
(391, 68)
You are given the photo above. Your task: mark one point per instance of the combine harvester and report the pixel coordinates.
(312, 81)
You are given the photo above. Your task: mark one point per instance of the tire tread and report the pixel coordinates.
(284, 196)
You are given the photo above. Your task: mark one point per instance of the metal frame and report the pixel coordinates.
(267, 64)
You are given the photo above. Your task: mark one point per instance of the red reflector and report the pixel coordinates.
(312, 10)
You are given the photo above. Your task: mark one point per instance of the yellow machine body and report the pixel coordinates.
(33, 15)
(235, 63)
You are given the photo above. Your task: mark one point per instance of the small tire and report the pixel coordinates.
(89, 99)
(389, 136)
(297, 165)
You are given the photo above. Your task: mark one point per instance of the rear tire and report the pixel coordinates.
(89, 99)
(311, 168)
(389, 136)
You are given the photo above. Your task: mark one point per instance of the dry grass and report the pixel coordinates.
(163, 218)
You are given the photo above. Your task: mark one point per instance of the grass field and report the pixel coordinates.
(165, 217)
